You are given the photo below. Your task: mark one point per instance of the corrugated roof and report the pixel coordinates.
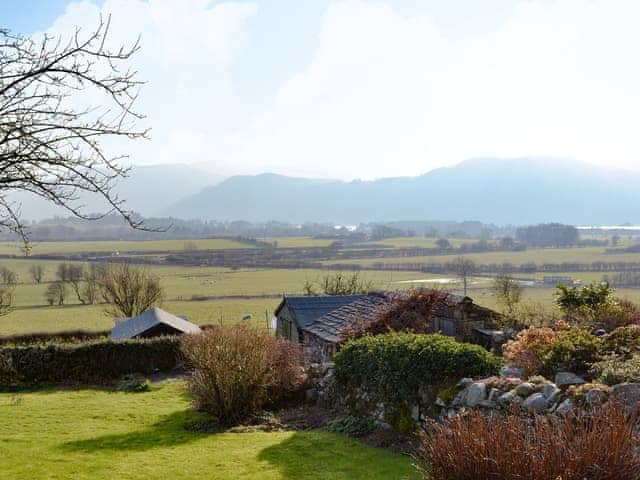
(134, 326)
(330, 326)
(307, 309)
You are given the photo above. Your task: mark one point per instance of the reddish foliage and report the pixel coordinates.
(599, 444)
(406, 313)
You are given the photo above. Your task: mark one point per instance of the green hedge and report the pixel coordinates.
(92, 362)
(65, 336)
(395, 368)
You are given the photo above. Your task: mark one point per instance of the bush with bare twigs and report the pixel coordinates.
(239, 369)
(599, 444)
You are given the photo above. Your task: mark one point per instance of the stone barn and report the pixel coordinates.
(317, 322)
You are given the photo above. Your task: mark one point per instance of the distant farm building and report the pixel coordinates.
(318, 322)
(152, 323)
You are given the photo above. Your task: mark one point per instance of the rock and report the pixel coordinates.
(440, 402)
(476, 393)
(464, 383)
(595, 396)
(460, 399)
(566, 379)
(549, 390)
(556, 396)
(627, 393)
(536, 403)
(566, 406)
(506, 399)
(525, 389)
(512, 372)
(494, 393)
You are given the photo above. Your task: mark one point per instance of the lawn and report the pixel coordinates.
(97, 434)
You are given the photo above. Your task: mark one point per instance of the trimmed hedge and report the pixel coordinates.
(92, 362)
(395, 368)
(65, 336)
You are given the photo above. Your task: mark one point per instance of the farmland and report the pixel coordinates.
(100, 434)
(212, 294)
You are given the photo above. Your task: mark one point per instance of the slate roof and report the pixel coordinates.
(308, 309)
(134, 326)
(330, 326)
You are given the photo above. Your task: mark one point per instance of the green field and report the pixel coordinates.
(44, 248)
(98, 434)
(215, 294)
(182, 285)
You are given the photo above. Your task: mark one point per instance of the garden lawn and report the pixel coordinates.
(97, 434)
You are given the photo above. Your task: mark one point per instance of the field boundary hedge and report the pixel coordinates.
(97, 362)
(73, 336)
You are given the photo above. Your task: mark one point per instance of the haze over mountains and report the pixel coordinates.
(491, 190)
(501, 191)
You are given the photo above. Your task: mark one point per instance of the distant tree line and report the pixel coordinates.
(548, 235)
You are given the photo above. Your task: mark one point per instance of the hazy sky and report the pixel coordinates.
(372, 88)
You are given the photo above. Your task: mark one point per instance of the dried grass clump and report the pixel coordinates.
(601, 444)
(239, 369)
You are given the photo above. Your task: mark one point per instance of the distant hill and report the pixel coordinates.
(149, 190)
(502, 191)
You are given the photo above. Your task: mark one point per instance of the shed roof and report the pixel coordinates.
(330, 326)
(135, 326)
(307, 309)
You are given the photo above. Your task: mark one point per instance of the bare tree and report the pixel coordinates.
(8, 281)
(508, 294)
(463, 268)
(49, 146)
(37, 272)
(338, 284)
(56, 293)
(129, 290)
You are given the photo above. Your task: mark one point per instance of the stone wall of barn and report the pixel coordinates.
(286, 326)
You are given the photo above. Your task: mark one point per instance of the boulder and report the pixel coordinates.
(475, 393)
(464, 383)
(595, 396)
(556, 396)
(311, 395)
(627, 393)
(566, 406)
(525, 389)
(565, 380)
(549, 389)
(506, 399)
(536, 403)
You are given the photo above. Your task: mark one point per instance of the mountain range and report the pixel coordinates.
(493, 190)
(512, 191)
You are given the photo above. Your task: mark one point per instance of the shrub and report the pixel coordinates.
(613, 370)
(529, 347)
(65, 336)
(622, 341)
(395, 368)
(599, 444)
(576, 350)
(238, 369)
(134, 384)
(91, 362)
(354, 426)
(617, 313)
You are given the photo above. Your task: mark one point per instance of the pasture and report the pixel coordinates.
(217, 294)
(100, 434)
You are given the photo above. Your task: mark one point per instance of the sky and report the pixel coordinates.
(370, 88)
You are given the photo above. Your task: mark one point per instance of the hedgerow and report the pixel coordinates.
(92, 362)
(395, 368)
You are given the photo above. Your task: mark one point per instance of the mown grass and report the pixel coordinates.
(96, 434)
